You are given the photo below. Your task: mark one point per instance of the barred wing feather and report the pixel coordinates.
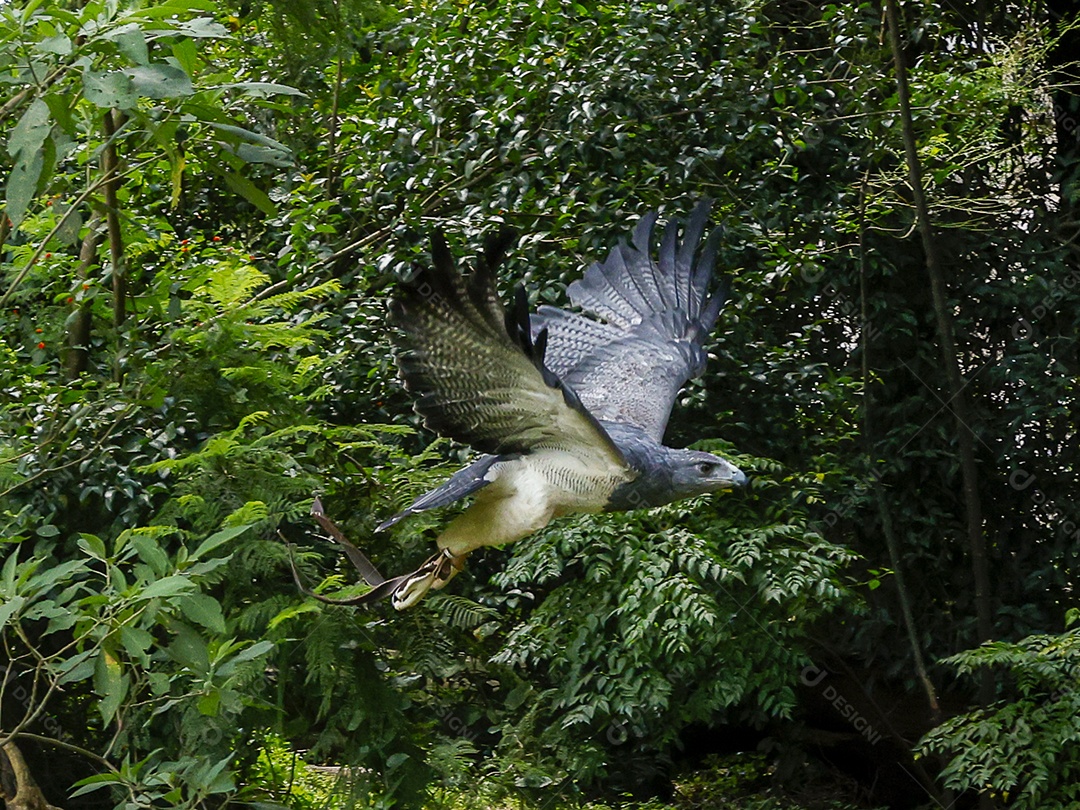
(629, 362)
(478, 374)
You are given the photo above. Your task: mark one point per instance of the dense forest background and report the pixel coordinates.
(206, 206)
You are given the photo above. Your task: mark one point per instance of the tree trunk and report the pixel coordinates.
(78, 357)
(17, 786)
(110, 165)
(957, 394)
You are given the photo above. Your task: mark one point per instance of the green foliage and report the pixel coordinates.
(286, 778)
(191, 370)
(736, 782)
(143, 61)
(137, 628)
(1022, 751)
(747, 782)
(683, 615)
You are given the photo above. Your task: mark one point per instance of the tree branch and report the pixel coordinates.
(895, 560)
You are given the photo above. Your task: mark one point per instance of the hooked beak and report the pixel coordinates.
(730, 477)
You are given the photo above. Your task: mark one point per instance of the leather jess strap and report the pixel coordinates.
(381, 586)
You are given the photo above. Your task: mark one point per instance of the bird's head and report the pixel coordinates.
(695, 473)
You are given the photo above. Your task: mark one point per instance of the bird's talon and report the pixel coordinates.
(431, 576)
(449, 567)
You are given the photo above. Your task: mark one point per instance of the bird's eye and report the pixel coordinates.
(706, 467)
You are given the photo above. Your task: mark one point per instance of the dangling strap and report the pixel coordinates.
(381, 586)
(368, 571)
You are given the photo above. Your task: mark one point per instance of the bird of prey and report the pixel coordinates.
(568, 408)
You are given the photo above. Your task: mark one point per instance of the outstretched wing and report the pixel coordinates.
(478, 375)
(654, 317)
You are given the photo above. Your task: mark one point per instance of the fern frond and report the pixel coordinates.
(290, 300)
(461, 612)
(229, 283)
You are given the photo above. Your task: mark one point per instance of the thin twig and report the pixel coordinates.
(78, 749)
(21, 96)
(89, 452)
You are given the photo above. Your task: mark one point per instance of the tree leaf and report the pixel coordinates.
(29, 9)
(92, 783)
(7, 576)
(240, 135)
(248, 654)
(107, 90)
(209, 703)
(202, 28)
(171, 8)
(186, 54)
(160, 81)
(59, 44)
(132, 43)
(264, 89)
(77, 668)
(217, 539)
(25, 146)
(136, 641)
(30, 132)
(250, 153)
(92, 545)
(110, 683)
(254, 651)
(250, 192)
(205, 610)
(151, 553)
(10, 608)
(168, 587)
(54, 574)
(189, 648)
(71, 225)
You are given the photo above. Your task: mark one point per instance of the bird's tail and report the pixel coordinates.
(461, 484)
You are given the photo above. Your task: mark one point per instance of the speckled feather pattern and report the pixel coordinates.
(571, 406)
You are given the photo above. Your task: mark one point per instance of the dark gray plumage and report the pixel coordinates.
(571, 409)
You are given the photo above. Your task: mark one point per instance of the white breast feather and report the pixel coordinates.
(528, 492)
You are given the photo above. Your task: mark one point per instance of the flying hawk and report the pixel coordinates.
(568, 408)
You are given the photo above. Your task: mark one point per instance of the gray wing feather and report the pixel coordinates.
(689, 298)
(654, 318)
(601, 291)
(464, 482)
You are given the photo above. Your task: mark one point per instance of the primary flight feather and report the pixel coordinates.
(569, 408)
